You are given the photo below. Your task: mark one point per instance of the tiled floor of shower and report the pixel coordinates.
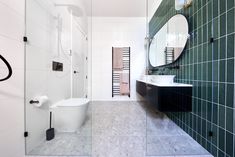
(123, 129)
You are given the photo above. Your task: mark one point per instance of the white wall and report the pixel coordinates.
(108, 32)
(12, 90)
(80, 52)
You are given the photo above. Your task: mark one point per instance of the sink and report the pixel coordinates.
(161, 80)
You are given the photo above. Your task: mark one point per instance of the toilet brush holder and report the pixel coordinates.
(50, 133)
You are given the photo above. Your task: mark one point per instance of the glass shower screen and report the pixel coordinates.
(56, 72)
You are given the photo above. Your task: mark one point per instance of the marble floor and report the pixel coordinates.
(123, 129)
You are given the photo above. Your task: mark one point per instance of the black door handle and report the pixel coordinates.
(9, 69)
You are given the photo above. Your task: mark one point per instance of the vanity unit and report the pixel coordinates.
(165, 94)
(166, 45)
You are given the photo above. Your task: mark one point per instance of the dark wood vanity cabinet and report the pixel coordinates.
(166, 99)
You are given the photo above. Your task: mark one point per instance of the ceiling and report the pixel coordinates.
(114, 8)
(119, 8)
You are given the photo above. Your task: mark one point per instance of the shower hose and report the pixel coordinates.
(9, 69)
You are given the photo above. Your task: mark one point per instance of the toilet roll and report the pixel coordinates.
(42, 100)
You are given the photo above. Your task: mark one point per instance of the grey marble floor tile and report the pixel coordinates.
(124, 129)
(125, 119)
(136, 146)
(137, 111)
(182, 145)
(137, 127)
(173, 145)
(155, 147)
(162, 126)
(109, 146)
(65, 144)
(195, 156)
(118, 146)
(137, 120)
(86, 129)
(110, 107)
(110, 125)
(162, 156)
(54, 156)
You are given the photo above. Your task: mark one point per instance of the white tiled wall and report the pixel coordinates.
(41, 50)
(80, 52)
(116, 32)
(11, 91)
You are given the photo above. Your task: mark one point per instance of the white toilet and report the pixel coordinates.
(70, 114)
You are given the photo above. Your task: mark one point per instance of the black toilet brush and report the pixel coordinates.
(50, 133)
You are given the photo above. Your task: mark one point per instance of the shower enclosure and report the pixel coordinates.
(56, 69)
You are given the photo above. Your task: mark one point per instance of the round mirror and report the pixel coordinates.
(169, 42)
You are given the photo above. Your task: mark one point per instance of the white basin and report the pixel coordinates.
(162, 80)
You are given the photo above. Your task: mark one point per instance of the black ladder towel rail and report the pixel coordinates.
(169, 55)
(116, 73)
(9, 69)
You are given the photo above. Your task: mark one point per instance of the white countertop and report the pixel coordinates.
(160, 84)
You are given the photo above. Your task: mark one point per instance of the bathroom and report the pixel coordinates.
(108, 78)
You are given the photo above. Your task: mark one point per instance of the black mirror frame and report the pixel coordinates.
(152, 68)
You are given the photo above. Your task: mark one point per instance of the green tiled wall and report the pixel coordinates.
(210, 68)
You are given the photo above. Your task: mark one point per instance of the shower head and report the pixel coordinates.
(75, 10)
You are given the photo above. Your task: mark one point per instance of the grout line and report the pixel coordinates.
(202, 136)
(194, 50)
(225, 114)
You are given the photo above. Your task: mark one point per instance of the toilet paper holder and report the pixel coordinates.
(38, 101)
(34, 102)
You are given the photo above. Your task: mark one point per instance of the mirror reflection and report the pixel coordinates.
(168, 43)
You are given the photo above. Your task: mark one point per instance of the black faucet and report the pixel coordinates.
(161, 71)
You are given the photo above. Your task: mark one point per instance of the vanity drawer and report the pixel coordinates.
(166, 99)
(141, 88)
